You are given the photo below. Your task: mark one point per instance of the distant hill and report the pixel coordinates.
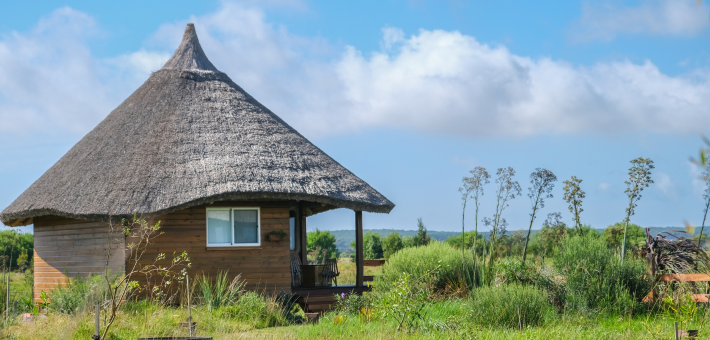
(345, 237)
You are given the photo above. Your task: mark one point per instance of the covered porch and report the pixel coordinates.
(320, 296)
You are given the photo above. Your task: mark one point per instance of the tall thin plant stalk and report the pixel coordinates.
(706, 196)
(472, 188)
(543, 181)
(639, 178)
(573, 196)
(507, 190)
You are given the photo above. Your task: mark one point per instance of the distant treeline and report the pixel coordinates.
(344, 238)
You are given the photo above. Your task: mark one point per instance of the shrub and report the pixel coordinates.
(542, 276)
(352, 303)
(416, 261)
(498, 306)
(596, 278)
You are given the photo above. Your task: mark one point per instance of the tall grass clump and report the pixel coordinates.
(416, 261)
(78, 295)
(220, 291)
(597, 280)
(498, 306)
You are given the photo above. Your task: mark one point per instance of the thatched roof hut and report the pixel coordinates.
(191, 149)
(189, 136)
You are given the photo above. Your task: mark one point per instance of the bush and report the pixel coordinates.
(596, 279)
(418, 260)
(498, 306)
(513, 271)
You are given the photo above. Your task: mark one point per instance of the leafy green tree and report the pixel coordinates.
(421, 238)
(573, 196)
(613, 236)
(322, 245)
(371, 246)
(639, 178)
(543, 181)
(12, 245)
(391, 244)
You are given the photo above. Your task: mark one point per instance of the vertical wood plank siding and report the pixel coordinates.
(66, 248)
(263, 267)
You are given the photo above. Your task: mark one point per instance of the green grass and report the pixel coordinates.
(448, 320)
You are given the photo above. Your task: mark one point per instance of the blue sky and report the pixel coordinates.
(409, 95)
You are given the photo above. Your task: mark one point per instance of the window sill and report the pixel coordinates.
(234, 248)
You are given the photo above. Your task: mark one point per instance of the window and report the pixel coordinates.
(233, 227)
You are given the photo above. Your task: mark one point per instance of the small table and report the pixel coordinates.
(311, 275)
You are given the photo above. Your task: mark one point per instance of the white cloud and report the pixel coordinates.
(603, 186)
(666, 185)
(606, 20)
(50, 81)
(435, 81)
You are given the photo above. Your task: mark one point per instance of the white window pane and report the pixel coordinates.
(246, 228)
(218, 226)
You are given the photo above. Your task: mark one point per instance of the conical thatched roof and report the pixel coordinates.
(189, 136)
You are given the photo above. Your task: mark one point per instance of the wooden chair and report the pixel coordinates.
(296, 276)
(330, 271)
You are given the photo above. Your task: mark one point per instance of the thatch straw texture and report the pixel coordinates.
(189, 136)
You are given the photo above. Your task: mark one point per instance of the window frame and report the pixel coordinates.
(231, 220)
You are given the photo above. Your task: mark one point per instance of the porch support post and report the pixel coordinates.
(301, 219)
(358, 249)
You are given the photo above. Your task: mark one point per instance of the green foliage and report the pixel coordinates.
(322, 245)
(371, 246)
(540, 275)
(417, 261)
(352, 303)
(455, 241)
(597, 279)
(12, 245)
(78, 295)
(22, 261)
(498, 306)
(391, 244)
(421, 238)
(220, 291)
(613, 236)
(405, 302)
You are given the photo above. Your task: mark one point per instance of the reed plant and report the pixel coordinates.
(220, 291)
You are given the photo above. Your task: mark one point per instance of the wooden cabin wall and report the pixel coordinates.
(266, 267)
(67, 248)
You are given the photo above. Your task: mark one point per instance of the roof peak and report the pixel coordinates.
(189, 55)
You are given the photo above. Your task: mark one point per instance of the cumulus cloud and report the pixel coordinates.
(606, 20)
(434, 81)
(666, 185)
(50, 81)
